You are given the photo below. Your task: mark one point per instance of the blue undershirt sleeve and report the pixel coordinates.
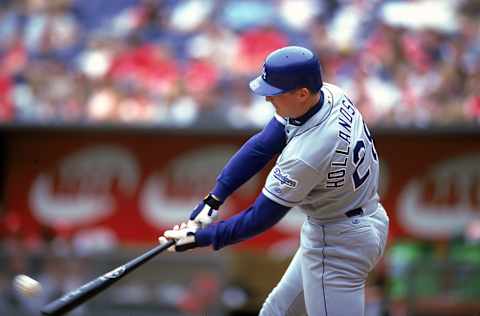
(251, 158)
(259, 217)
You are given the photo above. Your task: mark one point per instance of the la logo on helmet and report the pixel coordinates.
(264, 73)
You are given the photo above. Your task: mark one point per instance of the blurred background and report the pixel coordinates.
(116, 116)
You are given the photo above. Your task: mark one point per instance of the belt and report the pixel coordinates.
(355, 212)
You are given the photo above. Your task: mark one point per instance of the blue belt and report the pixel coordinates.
(355, 212)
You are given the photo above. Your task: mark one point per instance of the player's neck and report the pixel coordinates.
(308, 104)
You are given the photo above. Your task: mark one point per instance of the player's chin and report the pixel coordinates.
(279, 112)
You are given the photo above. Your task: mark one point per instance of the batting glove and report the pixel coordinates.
(205, 213)
(184, 236)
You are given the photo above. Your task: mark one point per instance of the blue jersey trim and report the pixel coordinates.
(323, 119)
(281, 199)
(311, 112)
(324, 257)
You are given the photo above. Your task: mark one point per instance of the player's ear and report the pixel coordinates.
(303, 93)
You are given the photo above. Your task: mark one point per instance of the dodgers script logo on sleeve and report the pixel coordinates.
(284, 178)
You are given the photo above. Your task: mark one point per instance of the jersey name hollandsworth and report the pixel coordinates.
(338, 170)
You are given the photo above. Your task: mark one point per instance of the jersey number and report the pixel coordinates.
(359, 152)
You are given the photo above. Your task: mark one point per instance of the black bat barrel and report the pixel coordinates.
(76, 297)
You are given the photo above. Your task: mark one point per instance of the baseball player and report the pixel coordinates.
(327, 168)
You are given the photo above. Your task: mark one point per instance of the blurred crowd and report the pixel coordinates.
(180, 63)
(45, 259)
(63, 262)
(445, 273)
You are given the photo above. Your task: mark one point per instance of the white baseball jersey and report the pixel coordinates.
(329, 165)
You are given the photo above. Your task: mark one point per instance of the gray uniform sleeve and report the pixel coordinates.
(290, 181)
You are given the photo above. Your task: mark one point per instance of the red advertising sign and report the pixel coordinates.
(132, 187)
(129, 187)
(431, 184)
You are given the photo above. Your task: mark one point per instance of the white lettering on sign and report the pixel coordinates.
(444, 201)
(169, 195)
(79, 189)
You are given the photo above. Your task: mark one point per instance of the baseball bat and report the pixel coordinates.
(76, 297)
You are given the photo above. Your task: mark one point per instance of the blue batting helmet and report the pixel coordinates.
(287, 69)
